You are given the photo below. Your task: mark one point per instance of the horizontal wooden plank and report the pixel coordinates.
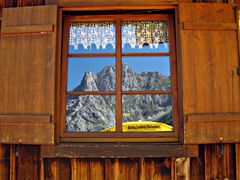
(119, 7)
(30, 29)
(212, 128)
(210, 26)
(25, 118)
(27, 133)
(206, 13)
(119, 150)
(219, 117)
(50, 2)
(113, 2)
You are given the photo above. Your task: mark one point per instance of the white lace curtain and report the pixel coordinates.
(87, 33)
(140, 33)
(136, 33)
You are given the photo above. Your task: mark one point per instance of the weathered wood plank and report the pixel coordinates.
(96, 169)
(28, 73)
(28, 162)
(128, 169)
(203, 70)
(114, 2)
(4, 162)
(51, 2)
(237, 156)
(80, 169)
(212, 128)
(114, 150)
(219, 161)
(57, 169)
(34, 133)
(209, 60)
(51, 169)
(13, 174)
(29, 2)
(30, 29)
(25, 118)
(182, 170)
(28, 69)
(197, 165)
(209, 118)
(206, 13)
(228, 161)
(157, 168)
(210, 26)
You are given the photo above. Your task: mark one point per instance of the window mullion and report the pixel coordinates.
(118, 78)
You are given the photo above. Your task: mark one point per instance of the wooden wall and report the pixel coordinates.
(216, 161)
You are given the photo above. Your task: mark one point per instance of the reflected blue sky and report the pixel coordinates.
(149, 64)
(78, 66)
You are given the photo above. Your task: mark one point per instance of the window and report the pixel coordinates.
(119, 78)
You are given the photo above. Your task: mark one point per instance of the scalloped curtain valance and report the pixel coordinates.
(135, 33)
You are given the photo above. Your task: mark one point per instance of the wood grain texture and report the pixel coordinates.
(12, 171)
(113, 2)
(182, 168)
(28, 162)
(30, 29)
(114, 150)
(210, 26)
(237, 151)
(51, 2)
(197, 165)
(218, 160)
(214, 162)
(34, 133)
(210, 80)
(4, 162)
(25, 118)
(57, 169)
(28, 66)
(212, 128)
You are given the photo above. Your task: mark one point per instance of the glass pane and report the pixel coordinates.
(91, 74)
(145, 73)
(144, 36)
(147, 113)
(90, 113)
(92, 37)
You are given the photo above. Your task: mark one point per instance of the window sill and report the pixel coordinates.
(118, 150)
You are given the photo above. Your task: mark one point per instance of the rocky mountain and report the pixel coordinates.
(93, 113)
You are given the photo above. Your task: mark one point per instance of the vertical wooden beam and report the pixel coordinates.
(28, 162)
(197, 165)
(237, 154)
(112, 169)
(74, 169)
(64, 169)
(142, 173)
(12, 162)
(4, 162)
(51, 169)
(96, 169)
(80, 169)
(228, 162)
(173, 168)
(182, 170)
(207, 169)
(41, 169)
(128, 169)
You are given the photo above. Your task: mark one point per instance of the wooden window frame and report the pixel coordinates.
(119, 136)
